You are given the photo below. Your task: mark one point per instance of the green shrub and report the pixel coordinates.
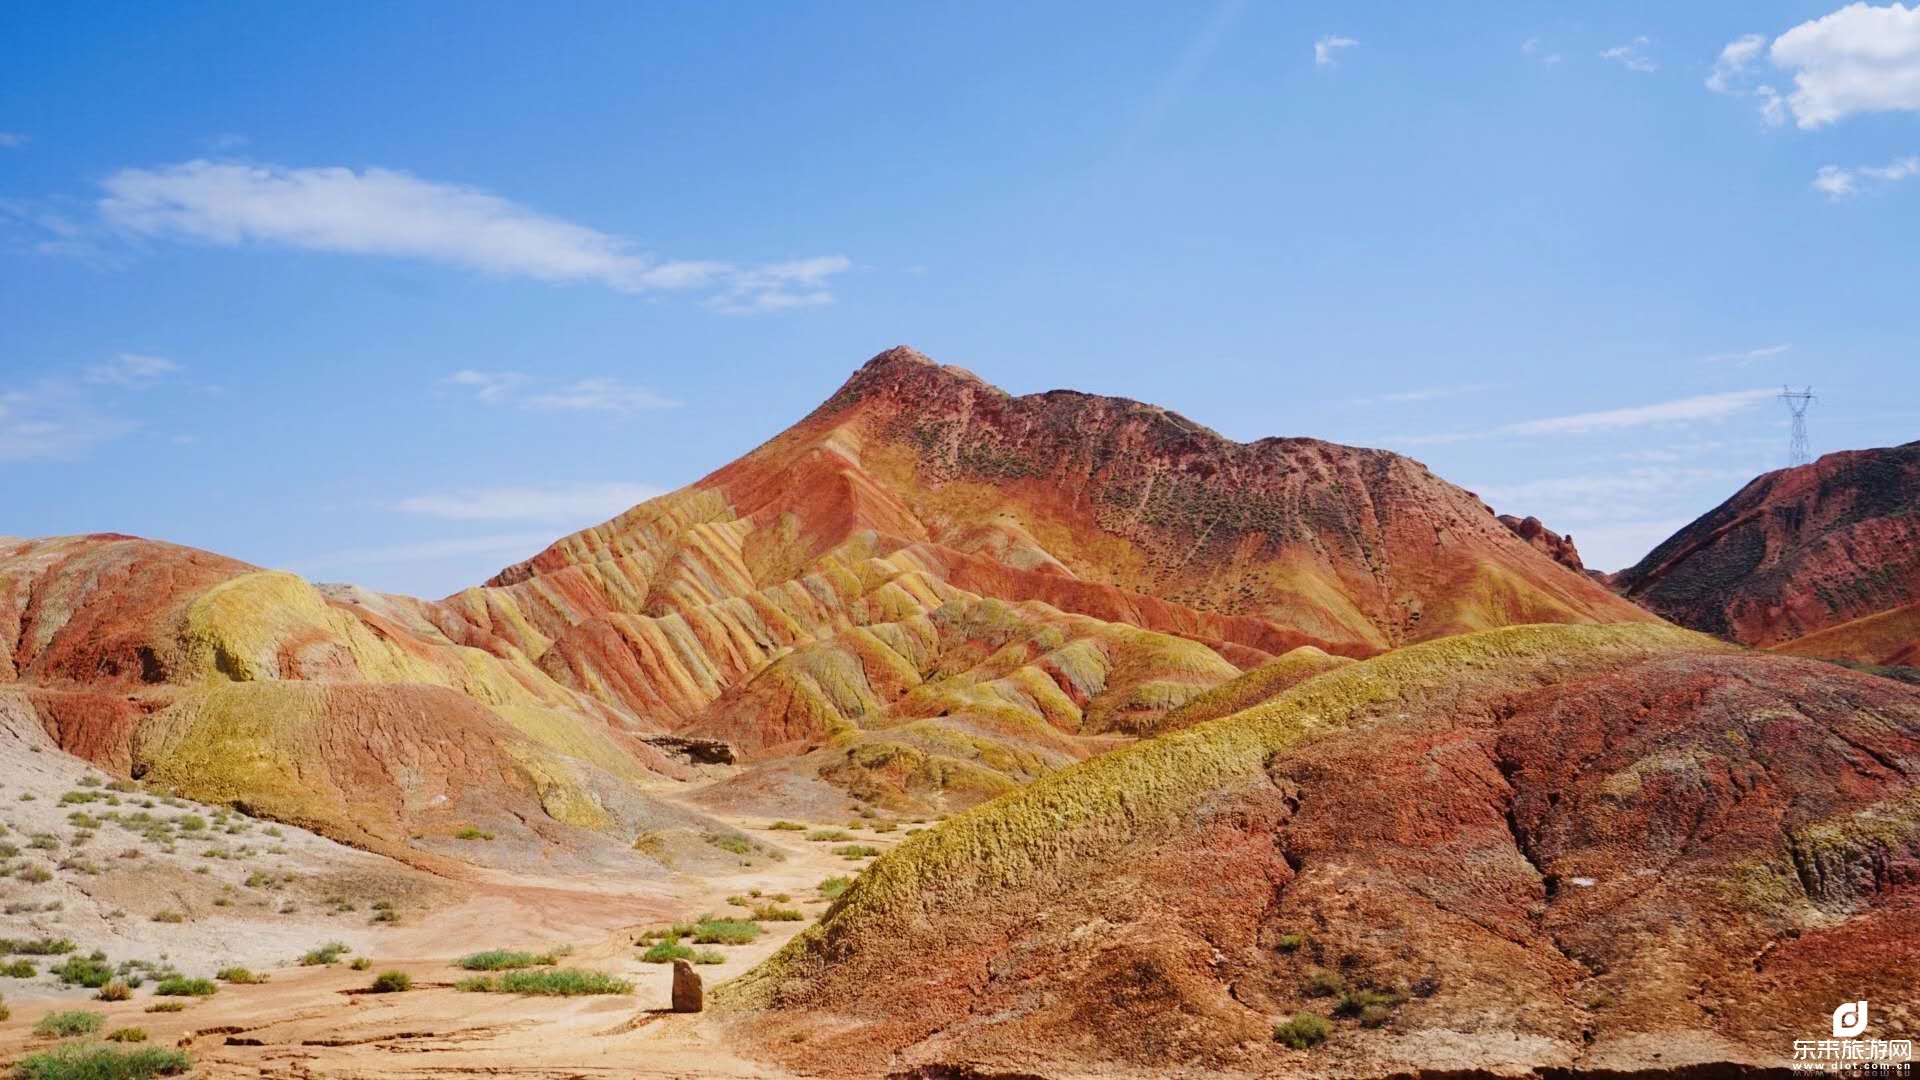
(787, 826)
(84, 971)
(709, 956)
(1304, 1031)
(1323, 983)
(329, 953)
(664, 952)
(19, 969)
(68, 1023)
(239, 976)
(475, 984)
(856, 851)
(95, 1061)
(180, 986)
(361, 963)
(562, 982)
(472, 833)
(503, 959)
(773, 913)
(711, 931)
(391, 982)
(127, 1035)
(733, 842)
(1290, 942)
(115, 991)
(44, 946)
(167, 1007)
(829, 834)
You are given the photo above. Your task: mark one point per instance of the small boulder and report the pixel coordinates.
(688, 997)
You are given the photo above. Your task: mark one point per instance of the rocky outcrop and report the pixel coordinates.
(1796, 552)
(1544, 540)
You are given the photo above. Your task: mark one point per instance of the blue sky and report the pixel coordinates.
(394, 294)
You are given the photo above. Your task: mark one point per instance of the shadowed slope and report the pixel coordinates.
(1529, 848)
(1795, 552)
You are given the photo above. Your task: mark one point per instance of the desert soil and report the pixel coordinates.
(319, 1021)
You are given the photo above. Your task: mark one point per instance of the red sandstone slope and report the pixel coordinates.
(920, 478)
(1528, 850)
(1795, 552)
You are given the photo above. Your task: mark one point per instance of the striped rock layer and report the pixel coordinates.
(925, 592)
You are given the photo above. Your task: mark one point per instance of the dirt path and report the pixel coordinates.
(318, 1022)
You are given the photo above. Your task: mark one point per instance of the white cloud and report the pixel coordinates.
(1632, 56)
(1532, 47)
(1682, 410)
(131, 369)
(1430, 393)
(49, 420)
(1858, 59)
(428, 550)
(599, 395)
(1838, 183)
(488, 385)
(596, 394)
(1697, 409)
(1730, 70)
(1324, 50)
(1636, 483)
(12, 140)
(1748, 356)
(391, 213)
(778, 286)
(583, 503)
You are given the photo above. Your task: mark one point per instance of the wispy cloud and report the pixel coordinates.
(51, 420)
(488, 385)
(583, 503)
(1841, 183)
(426, 551)
(131, 369)
(12, 140)
(1632, 56)
(1533, 48)
(1702, 407)
(600, 395)
(1859, 59)
(596, 394)
(1429, 393)
(779, 286)
(1732, 75)
(1326, 49)
(1748, 356)
(1193, 60)
(385, 212)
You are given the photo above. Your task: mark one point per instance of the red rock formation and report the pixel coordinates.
(1795, 552)
(1544, 540)
(915, 480)
(1513, 853)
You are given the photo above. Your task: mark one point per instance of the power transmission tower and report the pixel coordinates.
(1797, 402)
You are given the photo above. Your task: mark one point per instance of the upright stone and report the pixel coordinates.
(687, 994)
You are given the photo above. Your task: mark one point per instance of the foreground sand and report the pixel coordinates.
(319, 1022)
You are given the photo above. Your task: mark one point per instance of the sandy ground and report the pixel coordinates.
(318, 1021)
